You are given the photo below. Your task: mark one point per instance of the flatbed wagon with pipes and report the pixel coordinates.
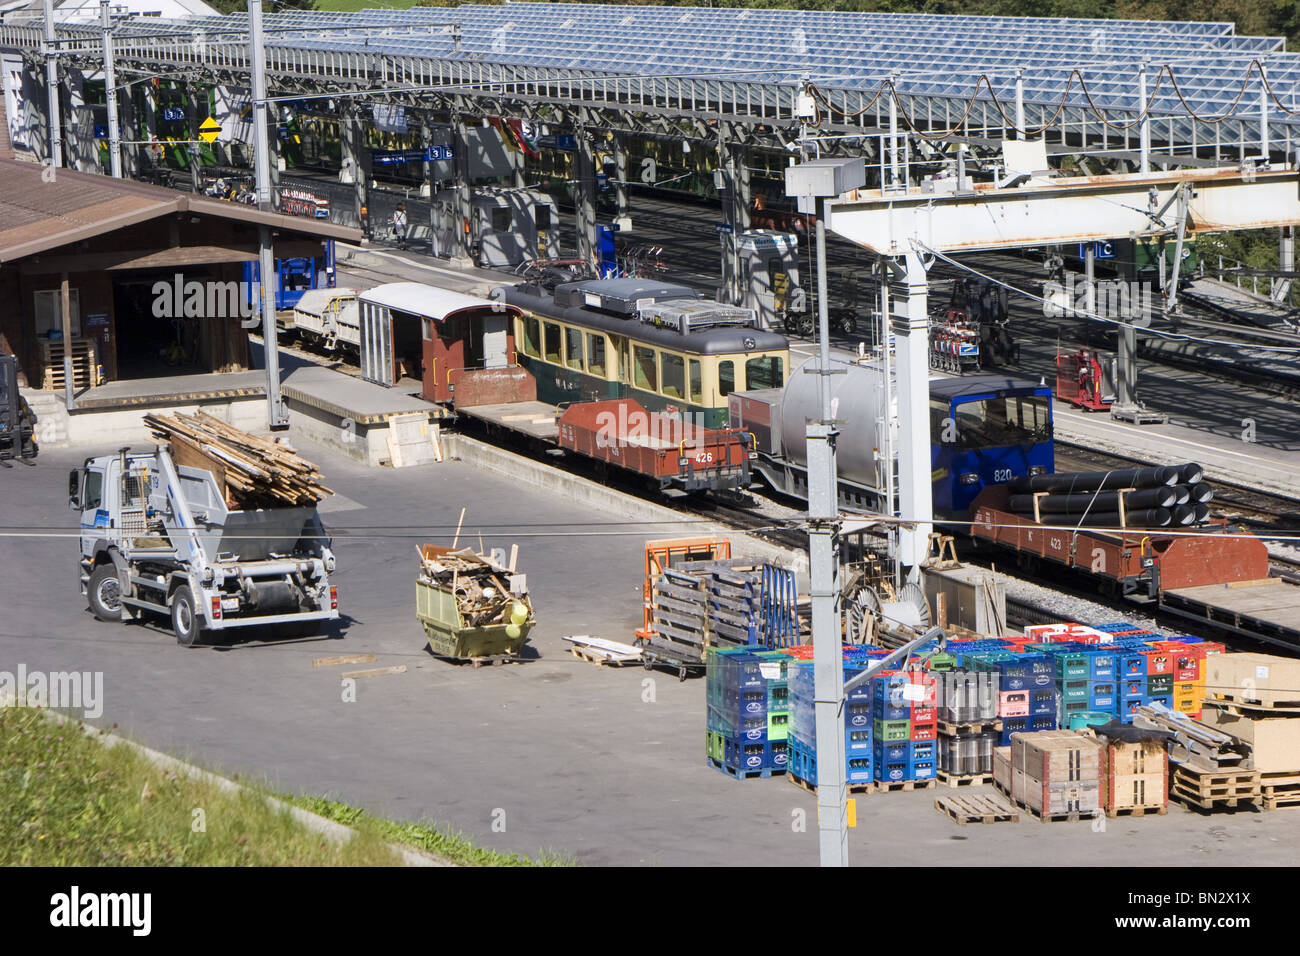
(1206, 571)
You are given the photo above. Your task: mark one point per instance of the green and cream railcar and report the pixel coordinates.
(658, 343)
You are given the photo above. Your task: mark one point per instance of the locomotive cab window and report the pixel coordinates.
(764, 372)
(595, 353)
(697, 382)
(551, 342)
(643, 366)
(532, 336)
(1003, 422)
(674, 375)
(573, 348)
(726, 378)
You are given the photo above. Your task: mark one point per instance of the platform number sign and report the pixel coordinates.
(1100, 250)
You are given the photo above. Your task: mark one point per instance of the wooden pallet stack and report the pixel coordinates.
(1134, 776)
(1255, 698)
(1056, 775)
(253, 472)
(85, 364)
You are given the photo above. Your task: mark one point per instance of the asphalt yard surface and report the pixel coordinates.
(606, 766)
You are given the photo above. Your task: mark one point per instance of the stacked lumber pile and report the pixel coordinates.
(254, 472)
(482, 596)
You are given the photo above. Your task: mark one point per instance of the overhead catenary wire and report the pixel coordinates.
(1074, 312)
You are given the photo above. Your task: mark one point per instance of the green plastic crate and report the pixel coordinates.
(892, 730)
(778, 726)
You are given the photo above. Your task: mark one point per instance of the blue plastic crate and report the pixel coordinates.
(859, 769)
(769, 755)
(903, 751)
(1025, 681)
(1166, 700)
(859, 740)
(1027, 665)
(886, 711)
(1130, 665)
(1133, 688)
(1042, 701)
(747, 702)
(1101, 665)
(862, 715)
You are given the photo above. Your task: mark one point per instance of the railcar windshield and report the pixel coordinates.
(1003, 422)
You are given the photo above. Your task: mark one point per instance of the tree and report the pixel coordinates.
(268, 6)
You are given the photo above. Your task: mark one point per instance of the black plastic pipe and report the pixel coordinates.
(1097, 480)
(1086, 502)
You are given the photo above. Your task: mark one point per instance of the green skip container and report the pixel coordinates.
(440, 606)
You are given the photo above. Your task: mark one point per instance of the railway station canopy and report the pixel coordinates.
(1205, 83)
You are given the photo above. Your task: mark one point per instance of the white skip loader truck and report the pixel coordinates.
(160, 538)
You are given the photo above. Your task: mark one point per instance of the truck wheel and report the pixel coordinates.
(185, 618)
(104, 591)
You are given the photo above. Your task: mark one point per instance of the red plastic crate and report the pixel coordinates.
(925, 732)
(1159, 661)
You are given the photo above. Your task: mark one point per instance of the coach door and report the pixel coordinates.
(623, 348)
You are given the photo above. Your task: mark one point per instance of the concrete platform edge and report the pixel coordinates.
(584, 491)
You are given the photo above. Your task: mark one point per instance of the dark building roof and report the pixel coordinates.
(43, 208)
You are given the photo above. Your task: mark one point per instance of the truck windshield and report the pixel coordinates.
(1004, 422)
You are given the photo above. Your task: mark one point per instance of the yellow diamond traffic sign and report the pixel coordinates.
(209, 129)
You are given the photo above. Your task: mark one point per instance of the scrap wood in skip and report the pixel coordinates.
(253, 472)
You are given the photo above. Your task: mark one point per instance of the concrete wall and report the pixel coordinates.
(367, 444)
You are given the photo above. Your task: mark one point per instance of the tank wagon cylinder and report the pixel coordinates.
(857, 399)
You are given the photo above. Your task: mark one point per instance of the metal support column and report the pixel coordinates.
(584, 189)
(823, 556)
(1285, 262)
(352, 147)
(1263, 116)
(110, 95)
(915, 502)
(1020, 103)
(65, 311)
(464, 196)
(1144, 128)
(192, 112)
(735, 195)
(277, 147)
(620, 174)
(276, 416)
(426, 167)
(52, 91)
(887, 416)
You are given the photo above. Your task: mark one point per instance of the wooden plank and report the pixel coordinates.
(343, 659)
(375, 672)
